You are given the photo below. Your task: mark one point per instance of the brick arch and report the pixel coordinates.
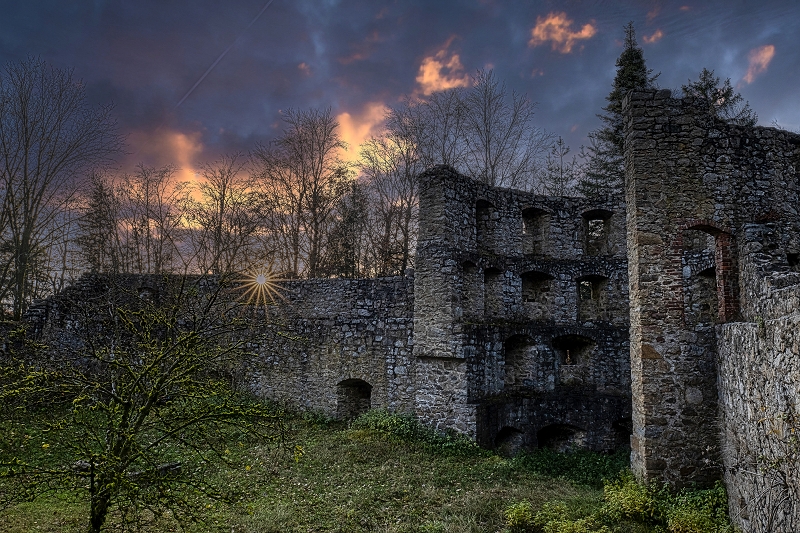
(724, 263)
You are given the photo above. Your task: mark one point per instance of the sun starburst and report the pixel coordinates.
(261, 286)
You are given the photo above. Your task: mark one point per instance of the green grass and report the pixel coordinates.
(383, 473)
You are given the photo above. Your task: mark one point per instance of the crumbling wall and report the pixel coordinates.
(521, 315)
(759, 390)
(712, 217)
(339, 346)
(331, 342)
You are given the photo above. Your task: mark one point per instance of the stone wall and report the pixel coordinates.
(713, 242)
(338, 346)
(759, 391)
(521, 315)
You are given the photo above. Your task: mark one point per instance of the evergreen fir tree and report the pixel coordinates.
(722, 102)
(605, 168)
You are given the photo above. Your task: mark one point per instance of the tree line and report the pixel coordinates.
(293, 203)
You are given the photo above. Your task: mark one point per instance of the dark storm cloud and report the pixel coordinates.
(356, 57)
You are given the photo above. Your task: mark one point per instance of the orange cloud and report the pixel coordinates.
(442, 71)
(556, 28)
(759, 59)
(304, 68)
(357, 128)
(168, 148)
(653, 13)
(657, 35)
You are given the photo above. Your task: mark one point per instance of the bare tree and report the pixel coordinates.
(434, 126)
(504, 148)
(151, 220)
(390, 165)
(302, 177)
(223, 220)
(49, 134)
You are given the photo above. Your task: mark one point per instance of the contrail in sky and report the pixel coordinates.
(214, 64)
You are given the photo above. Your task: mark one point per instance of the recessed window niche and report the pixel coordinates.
(537, 294)
(596, 230)
(573, 349)
(484, 226)
(592, 297)
(493, 292)
(471, 291)
(535, 230)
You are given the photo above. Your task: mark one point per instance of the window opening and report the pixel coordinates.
(596, 229)
(592, 298)
(493, 291)
(484, 225)
(794, 261)
(573, 349)
(535, 230)
(471, 291)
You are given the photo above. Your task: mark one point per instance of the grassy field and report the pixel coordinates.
(331, 477)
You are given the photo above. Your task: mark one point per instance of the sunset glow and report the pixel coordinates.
(442, 71)
(758, 61)
(556, 28)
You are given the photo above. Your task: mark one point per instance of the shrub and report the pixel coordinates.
(519, 516)
(580, 466)
(699, 511)
(625, 498)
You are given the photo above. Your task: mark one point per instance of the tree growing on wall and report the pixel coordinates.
(561, 172)
(605, 165)
(49, 135)
(136, 408)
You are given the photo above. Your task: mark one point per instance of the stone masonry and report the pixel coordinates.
(670, 321)
(520, 316)
(713, 247)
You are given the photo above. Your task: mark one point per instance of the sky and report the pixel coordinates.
(191, 80)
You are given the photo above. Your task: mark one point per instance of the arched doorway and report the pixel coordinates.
(353, 398)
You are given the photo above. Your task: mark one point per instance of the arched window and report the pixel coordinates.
(596, 230)
(535, 230)
(509, 441)
(709, 277)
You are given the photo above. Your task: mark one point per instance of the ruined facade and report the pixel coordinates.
(513, 329)
(515, 326)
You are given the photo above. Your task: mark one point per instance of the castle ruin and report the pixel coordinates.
(670, 321)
